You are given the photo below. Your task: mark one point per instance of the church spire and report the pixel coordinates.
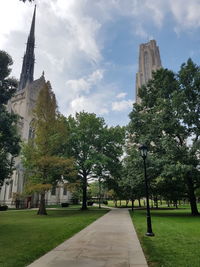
(29, 57)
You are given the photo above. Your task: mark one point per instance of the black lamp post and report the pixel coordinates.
(143, 150)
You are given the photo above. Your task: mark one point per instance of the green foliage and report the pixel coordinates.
(95, 147)
(94, 189)
(5, 64)
(31, 188)
(9, 139)
(43, 155)
(133, 176)
(167, 121)
(98, 189)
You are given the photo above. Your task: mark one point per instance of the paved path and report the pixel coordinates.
(111, 241)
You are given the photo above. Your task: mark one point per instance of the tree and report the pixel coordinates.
(98, 191)
(133, 176)
(43, 159)
(85, 132)
(9, 139)
(75, 188)
(108, 168)
(94, 147)
(167, 120)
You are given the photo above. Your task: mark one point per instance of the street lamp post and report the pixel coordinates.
(143, 150)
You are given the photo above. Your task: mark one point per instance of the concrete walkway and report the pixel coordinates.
(110, 241)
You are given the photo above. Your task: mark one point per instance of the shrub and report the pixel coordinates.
(5, 207)
(64, 205)
(90, 203)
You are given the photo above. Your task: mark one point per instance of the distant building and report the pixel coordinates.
(22, 104)
(149, 61)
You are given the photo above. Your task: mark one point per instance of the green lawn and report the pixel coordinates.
(177, 237)
(25, 236)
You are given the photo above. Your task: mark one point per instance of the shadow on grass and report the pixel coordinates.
(173, 214)
(170, 213)
(51, 213)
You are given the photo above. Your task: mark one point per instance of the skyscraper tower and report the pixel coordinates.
(29, 58)
(149, 61)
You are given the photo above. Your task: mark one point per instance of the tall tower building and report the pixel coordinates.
(29, 58)
(23, 103)
(149, 61)
(25, 98)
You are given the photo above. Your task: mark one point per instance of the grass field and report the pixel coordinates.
(25, 236)
(177, 237)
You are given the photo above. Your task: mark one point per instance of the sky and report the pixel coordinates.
(88, 49)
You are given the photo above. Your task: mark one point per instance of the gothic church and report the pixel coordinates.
(22, 104)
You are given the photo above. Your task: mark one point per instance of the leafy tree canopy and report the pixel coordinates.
(95, 147)
(43, 155)
(9, 139)
(167, 120)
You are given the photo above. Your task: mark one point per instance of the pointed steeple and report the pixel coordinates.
(29, 57)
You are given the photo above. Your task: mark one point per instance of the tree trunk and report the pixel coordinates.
(84, 200)
(192, 198)
(152, 203)
(139, 202)
(42, 207)
(99, 202)
(132, 204)
(156, 202)
(99, 193)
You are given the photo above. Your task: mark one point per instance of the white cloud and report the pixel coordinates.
(158, 12)
(79, 27)
(121, 95)
(122, 105)
(70, 43)
(88, 93)
(155, 9)
(77, 86)
(96, 76)
(90, 104)
(140, 31)
(84, 84)
(186, 16)
(8, 18)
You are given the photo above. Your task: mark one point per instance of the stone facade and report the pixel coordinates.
(149, 61)
(22, 104)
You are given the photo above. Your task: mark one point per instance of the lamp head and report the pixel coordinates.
(143, 151)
